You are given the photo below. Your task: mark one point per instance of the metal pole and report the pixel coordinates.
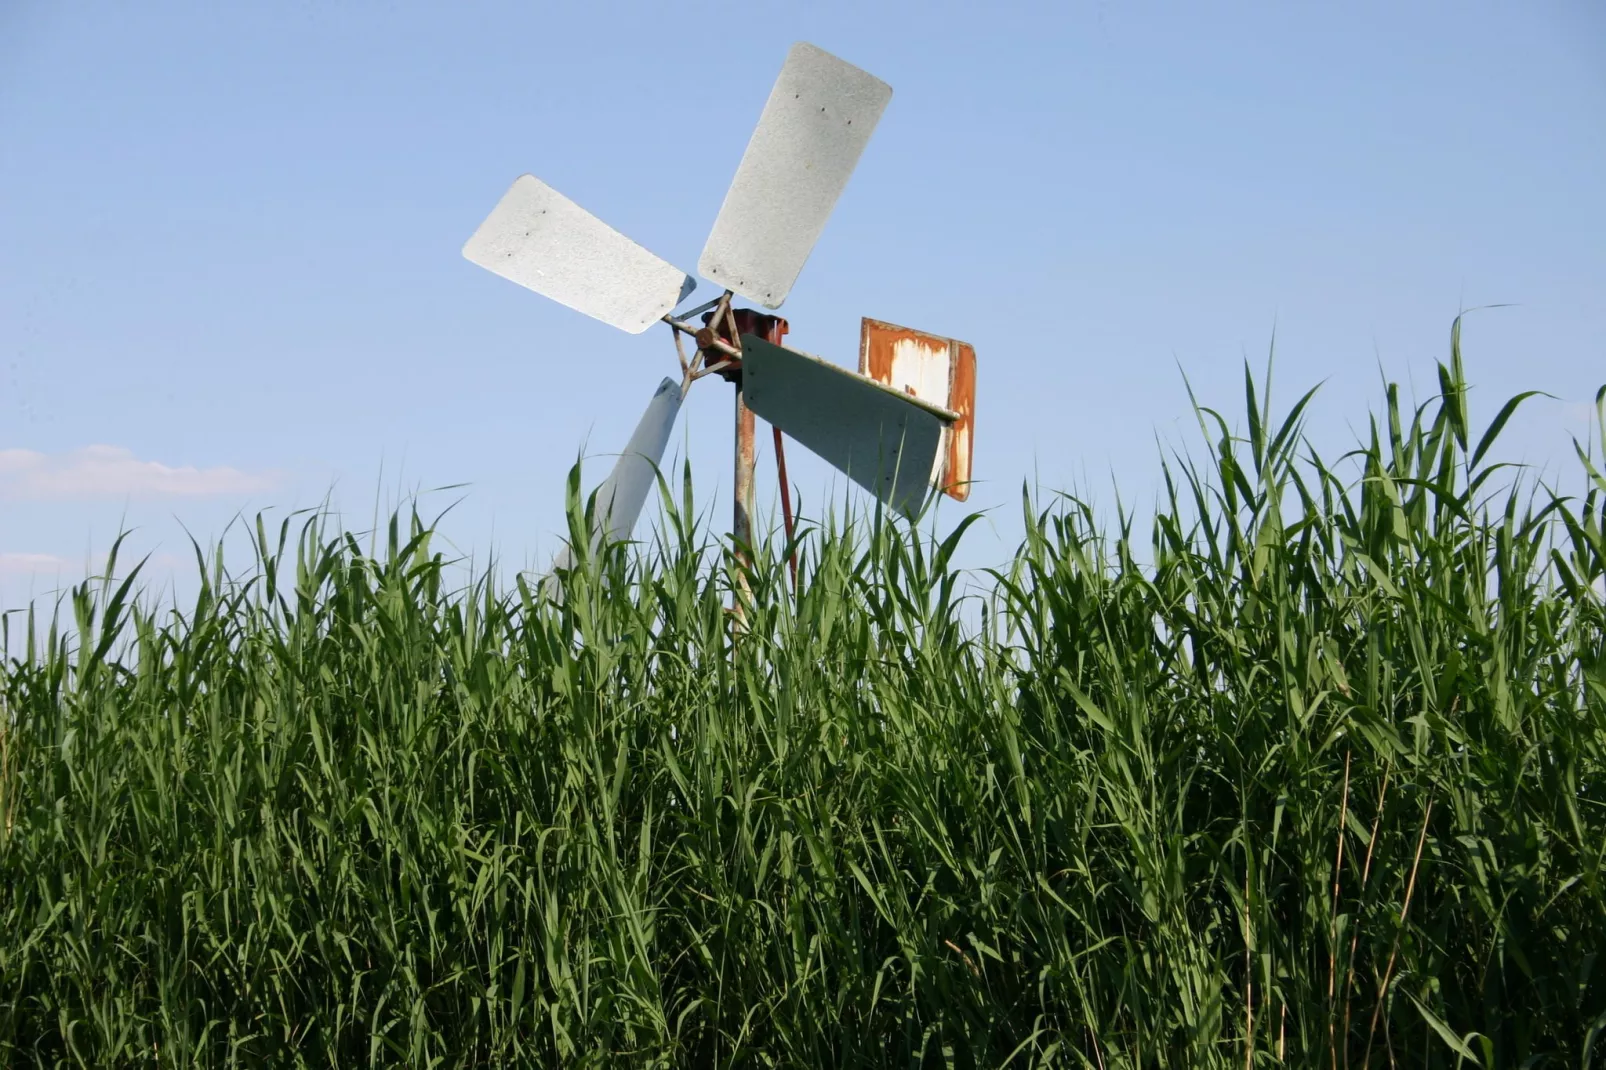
(786, 501)
(742, 519)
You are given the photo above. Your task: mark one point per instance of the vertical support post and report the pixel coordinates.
(730, 324)
(742, 518)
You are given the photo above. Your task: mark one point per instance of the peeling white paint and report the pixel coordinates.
(921, 369)
(934, 371)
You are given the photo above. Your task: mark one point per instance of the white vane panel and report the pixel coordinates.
(541, 240)
(808, 140)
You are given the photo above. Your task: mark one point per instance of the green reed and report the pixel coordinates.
(1315, 777)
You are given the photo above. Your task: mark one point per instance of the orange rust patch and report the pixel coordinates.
(935, 369)
(961, 399)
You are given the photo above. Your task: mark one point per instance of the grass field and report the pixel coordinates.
(1315, 775)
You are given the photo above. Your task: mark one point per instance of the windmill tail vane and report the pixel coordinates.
(901, 426)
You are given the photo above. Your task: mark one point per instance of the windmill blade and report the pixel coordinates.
(538, 238)
(808, 140)
(622, 495)
(887, 442)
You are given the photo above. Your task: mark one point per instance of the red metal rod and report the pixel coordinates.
(786, 503)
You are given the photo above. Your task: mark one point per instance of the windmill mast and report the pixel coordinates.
(733, 324)
(742, 516)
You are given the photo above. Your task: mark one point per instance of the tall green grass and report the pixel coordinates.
(1317, 777)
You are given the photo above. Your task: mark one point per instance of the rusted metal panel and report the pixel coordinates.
(961, 399)
(937, 370)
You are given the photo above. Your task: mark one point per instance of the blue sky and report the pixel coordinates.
(230, 275)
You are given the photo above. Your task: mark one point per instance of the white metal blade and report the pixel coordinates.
(808, 140)
(540, 239)
(622, 495)
(886, 442)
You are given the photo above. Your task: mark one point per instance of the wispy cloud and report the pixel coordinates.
(14, 564)
(114, 472)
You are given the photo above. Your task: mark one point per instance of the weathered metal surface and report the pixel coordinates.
(742, 524)
(786, 500)
(961, 434)
(726, 325)
(809, 138)
(742, 511)
(623, 494)
(937, 370)
(538, 238)
(724, 336)
(884, 441)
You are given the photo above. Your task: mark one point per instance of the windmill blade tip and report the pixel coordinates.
(800, 48)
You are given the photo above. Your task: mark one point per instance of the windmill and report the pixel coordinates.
(900, 427)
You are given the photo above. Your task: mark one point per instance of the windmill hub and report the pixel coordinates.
(747, 322)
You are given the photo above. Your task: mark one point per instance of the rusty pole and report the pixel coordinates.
(727, 325)
(742, 519)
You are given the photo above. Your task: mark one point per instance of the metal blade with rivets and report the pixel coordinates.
(808, 140)
(887, 442)
(623, 494)
(540, 239)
